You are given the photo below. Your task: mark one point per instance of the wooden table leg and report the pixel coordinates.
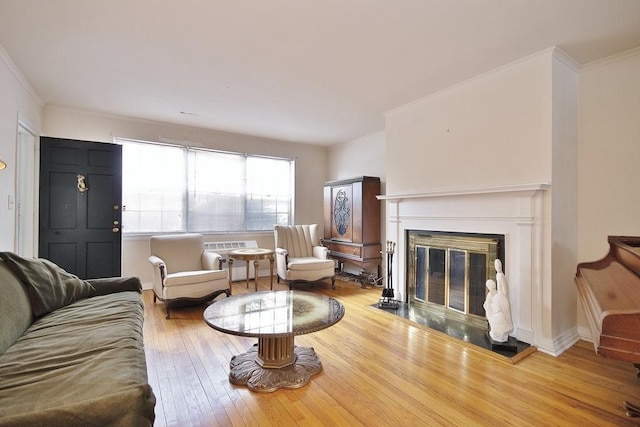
(271, 271)
(256, 266)
(247, 262)
(230, 272)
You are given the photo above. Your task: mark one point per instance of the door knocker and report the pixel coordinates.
(82, 186)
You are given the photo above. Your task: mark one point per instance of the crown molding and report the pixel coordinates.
(611, 59)
(551, 51)
(564, 57)
(17, 74)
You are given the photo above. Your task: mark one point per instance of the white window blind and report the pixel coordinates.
(168, 188)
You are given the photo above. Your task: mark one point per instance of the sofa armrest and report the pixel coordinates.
(212, 261)
(112, 285)
(320, 252)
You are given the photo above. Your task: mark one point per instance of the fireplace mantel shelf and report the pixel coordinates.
(465, 191)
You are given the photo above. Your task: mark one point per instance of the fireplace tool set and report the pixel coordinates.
(388, 299)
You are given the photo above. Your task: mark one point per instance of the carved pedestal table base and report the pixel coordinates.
(245, 370)
(275, 318)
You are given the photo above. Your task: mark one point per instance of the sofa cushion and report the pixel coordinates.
(15, 310)
(48, 286)
(83, 364)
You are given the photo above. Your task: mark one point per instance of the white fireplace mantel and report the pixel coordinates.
(515, 211)
(465, 191)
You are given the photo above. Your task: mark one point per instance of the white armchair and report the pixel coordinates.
(299, 257)
(184, 272)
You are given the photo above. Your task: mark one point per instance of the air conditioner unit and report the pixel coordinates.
(223, 248)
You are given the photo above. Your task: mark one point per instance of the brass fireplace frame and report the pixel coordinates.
(488, 245)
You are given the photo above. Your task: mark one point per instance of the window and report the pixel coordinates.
(169, 188)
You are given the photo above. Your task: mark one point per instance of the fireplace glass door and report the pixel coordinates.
(430, 271)
(451, 274)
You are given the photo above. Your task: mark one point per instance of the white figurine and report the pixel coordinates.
(488, 308)
(497, 306)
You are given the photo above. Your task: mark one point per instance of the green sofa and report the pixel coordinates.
(71, 351)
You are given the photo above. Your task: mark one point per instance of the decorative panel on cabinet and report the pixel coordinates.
(352, 222)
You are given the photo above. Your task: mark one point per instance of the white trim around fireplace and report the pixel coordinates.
(515, 211)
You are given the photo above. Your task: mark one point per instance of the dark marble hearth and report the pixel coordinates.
(457, 329)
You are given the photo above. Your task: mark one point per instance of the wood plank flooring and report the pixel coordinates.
(378, 371)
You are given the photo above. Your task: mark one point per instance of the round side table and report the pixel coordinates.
(255, 255)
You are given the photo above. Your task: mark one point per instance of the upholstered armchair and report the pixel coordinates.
(184, 272)
(299, 256)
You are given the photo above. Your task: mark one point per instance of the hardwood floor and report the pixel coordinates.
(378, 371)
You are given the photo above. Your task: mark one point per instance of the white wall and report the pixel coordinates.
(311, 166)
(492, 130)
(608, 153)
(364, 156)
(18, 101)
(564, 204)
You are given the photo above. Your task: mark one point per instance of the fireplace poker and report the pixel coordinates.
(388, 300)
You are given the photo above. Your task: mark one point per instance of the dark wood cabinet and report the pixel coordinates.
(352, 222)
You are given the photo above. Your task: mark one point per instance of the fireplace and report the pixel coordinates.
(516, 212)
(447, 272)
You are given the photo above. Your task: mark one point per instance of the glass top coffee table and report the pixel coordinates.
(275, 318)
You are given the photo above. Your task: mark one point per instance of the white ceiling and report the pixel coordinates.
(312, 71)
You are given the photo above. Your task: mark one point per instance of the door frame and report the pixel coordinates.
(27, 178)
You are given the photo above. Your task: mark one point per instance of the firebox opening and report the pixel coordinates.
(447, 272)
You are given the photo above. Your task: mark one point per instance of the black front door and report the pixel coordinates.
(80, 206)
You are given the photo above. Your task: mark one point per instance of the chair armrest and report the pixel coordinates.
(212, 261)
(158, 263)
(320, 252)
(283, 255)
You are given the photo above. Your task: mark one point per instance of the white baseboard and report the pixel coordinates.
(565, 341)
